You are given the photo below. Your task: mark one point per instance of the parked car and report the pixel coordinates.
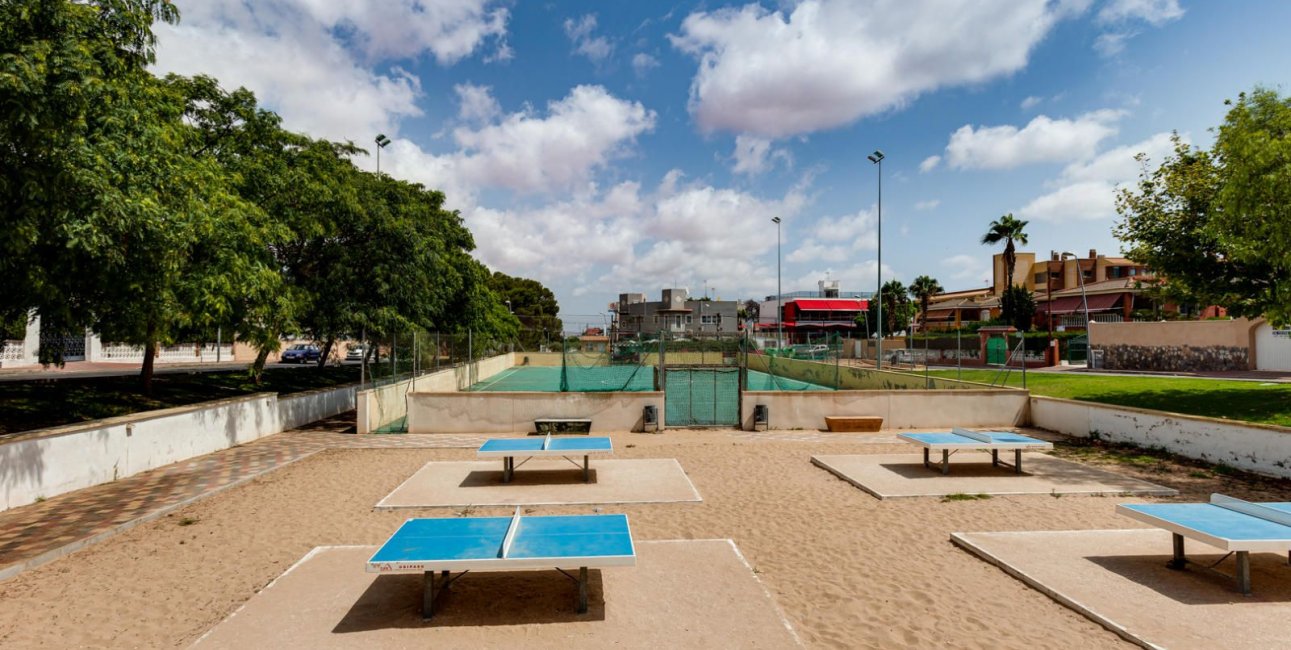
(356, 352)
(301, 353)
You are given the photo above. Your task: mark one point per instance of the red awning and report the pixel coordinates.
(1076, 305)
(831, 304)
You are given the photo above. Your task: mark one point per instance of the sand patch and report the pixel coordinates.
(695, 594)
(895, 476)
(1118, 578)
(543, 482)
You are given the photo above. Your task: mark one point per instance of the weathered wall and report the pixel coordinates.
(900, 409)
(1258, 448)
(514, 413)
(383, 405)
(48, 462)
(851, 377)
(1181, 346)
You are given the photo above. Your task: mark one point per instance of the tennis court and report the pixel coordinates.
(542, 379)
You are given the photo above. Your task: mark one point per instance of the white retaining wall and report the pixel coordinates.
(1264, 449)
(505, 412)
(900, 409)
(383, 405)
(48, 462)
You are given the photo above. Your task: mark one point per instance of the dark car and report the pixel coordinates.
(301, 353)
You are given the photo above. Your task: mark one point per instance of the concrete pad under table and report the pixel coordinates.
(543, 482)
(1119, 579)
(895, 476)
(684, 593)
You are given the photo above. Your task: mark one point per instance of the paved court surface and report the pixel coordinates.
(1118, 578)
(894, 476)
(34, 534)
(543, 482)
(681, 594)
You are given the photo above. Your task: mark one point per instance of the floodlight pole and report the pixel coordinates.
(1080, 276)
(779, 308)
(877, 159)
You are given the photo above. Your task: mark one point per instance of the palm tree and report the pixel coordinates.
(924, 288)
(1008, 230)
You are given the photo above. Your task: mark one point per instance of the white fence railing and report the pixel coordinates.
(191, 352)
(12, 351)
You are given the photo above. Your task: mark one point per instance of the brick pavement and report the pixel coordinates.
(41, 532)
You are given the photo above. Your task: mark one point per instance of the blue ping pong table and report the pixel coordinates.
(437, 547)
(1228, 524)
(509, 448)
(964, 440)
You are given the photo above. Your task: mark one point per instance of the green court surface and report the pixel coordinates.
(610, 378)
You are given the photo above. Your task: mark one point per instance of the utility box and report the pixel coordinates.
(761, 417)
(650, 418)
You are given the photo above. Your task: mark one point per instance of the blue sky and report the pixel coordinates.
(606, 147)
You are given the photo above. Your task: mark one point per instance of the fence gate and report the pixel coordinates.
(997, 351)
(1078, 350)
(702, 397)
(72, 345)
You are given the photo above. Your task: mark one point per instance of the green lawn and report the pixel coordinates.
(26, 405)
(1234, 400)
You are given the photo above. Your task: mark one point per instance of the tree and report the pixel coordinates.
(751, 310)
(898, 310)
(1021, 304)
(924, 288)
(532, 303)
(1009, 230)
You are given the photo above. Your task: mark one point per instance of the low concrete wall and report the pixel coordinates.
(49, 462)
(514, 413)
(381, 406)
(900, 409)
(1258, 448)
(851, 377)
(1175, 346)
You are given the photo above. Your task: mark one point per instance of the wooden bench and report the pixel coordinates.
(562, 425)
(854, 423)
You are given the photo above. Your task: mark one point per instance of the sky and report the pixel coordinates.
(604, 147)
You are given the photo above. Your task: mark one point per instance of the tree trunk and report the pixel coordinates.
(325, 353)
(257, 368)
(149, 356)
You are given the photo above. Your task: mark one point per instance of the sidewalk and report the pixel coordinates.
(41, 532)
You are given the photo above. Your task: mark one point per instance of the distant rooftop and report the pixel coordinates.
(821, 294)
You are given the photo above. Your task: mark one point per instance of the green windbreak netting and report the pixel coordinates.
(592, 371)
(763, 381)
(702, 396)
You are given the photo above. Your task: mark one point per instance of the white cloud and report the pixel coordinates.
(1153, 12)
(930, 204)
(642, 63)
(837, 239)
(1031, 102)
(930, 163)
(961, 270)
(476, 103)
(861, 276)
(1112, 43)
(595, 48)
(754, 155)
(1042, 140)
(830, 62)
(1087, 189)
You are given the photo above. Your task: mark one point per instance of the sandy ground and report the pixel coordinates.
(848, 570)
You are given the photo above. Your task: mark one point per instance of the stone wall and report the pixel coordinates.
(1175, 358)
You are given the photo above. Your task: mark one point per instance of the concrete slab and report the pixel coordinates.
(896, 476)
(681, 594)
(543, 482)
(1118, 578)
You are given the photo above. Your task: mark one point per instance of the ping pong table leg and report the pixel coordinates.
(925, 457)
(945, 461)
(508, 468)
(1244, 572)
(582, 590)
(995, 458)
(587, 475)
(1177, 562)
(1017, 461)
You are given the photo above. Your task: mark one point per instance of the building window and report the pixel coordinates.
(1039, 278)
(690, 319)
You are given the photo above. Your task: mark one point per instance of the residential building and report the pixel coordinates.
(675, 313)
(809, 314)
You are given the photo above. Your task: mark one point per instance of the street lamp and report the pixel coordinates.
(1080, 276)
(779, 309)
(509, 307)
(877, 159)
(381, 141)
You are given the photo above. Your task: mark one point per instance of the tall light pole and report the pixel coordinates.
(381, 141)
(779, 309)
(877, 159)
(1080, 276)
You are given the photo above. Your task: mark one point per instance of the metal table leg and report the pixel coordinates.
(582, 590)
(431, 589)
(587, 474)
(995, 458)
(508, 468)
(1177, 562)
(1244, 572)
(1017, 461)
(945, 461)
(925, 457)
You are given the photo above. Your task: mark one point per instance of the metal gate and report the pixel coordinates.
(1078, 350)
(72, 345)
(997, 351)
(702, 397)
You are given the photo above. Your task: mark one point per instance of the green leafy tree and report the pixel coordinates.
(533, 304)
(1021, 304)
(898, 309)
(1011, 231)
(923, 289)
